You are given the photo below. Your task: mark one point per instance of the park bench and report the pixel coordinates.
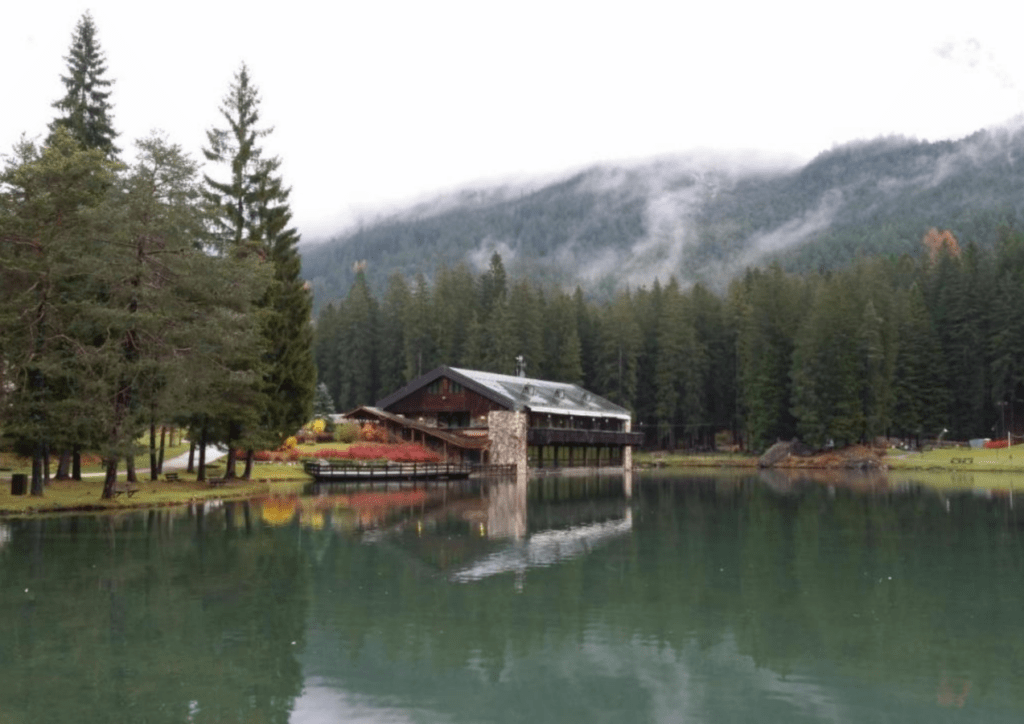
(129, 489)
(216, 482)
(171, 477)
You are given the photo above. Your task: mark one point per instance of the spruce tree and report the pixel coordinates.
(251, 217)
(617, 352)
(392, 333)
(85, 110)
(238, 202)
(323, 405)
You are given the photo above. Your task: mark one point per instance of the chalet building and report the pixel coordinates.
(490, 418)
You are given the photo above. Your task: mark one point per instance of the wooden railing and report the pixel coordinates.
(352, 470)
(570, 436)
(329, 470)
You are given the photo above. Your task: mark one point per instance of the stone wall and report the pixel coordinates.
(627, 452)
(508, 438)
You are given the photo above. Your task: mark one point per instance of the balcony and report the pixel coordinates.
(582, 438)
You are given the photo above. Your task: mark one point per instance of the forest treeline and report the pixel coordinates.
(904, 346)
(138, 293)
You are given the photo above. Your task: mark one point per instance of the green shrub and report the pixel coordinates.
(347, 432)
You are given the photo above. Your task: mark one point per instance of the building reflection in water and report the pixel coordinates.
(571, 517)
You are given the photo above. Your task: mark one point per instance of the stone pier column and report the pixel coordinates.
(627, 451)
(506, 499)
(507, 433)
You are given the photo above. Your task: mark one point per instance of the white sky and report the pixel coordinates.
(380, 101)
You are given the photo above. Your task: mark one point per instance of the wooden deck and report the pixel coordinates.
(332, 471)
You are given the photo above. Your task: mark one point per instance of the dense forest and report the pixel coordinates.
(701, 218)
(915, 346)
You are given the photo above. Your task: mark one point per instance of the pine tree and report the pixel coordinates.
(289, 370)
(357, 346)
(768, 308)
(323, 405)
(827, 371)
(85, 108)
(393, 310)
(920, 395)
(420, 338)
(48, 299)
(452, 305)
(615, 364)
(562, 342)
(251, 216)
(238, 202)
(525, 304)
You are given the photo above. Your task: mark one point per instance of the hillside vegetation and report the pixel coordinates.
(700, 218)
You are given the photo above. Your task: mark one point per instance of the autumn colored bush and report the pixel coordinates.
(404, 453)
(372, 432)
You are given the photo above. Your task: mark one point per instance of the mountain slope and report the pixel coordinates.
(701, 217)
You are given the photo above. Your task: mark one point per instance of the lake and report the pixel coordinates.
(701, 597)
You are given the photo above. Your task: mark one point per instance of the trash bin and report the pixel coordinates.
(19, 483)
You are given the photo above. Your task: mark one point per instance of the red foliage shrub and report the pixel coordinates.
(404, 453)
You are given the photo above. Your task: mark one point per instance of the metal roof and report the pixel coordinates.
(520, 393)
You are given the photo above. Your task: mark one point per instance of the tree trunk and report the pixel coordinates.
(154, 468)
(191, 456)
(37, 470)
(249, 456)
(201, 475)
(229, 465)
(76, 463)
(64, 465)
(110, 479)
(160, 458)
(129, 463)
(234, 432)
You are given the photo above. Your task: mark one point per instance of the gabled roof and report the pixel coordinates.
(519, 393)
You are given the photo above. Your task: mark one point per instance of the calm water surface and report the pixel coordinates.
(705, 598)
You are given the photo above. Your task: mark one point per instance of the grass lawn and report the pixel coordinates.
(267, 478)
(700, 460)
(960, 459)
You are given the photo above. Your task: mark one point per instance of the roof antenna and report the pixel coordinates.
(520, 366)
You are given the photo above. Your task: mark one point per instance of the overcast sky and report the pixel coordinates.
(376, 102)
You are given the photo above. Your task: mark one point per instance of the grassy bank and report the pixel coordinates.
(966, 460)
(694, 460)
(66, 495)
(959, 459)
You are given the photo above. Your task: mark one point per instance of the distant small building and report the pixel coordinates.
(459, 412)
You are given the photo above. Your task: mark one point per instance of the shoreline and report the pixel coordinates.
(281, 479)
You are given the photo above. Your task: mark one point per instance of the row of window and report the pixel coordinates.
(444, 386)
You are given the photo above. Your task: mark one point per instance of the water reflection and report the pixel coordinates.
(710, 597)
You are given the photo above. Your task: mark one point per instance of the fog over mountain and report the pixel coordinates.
(701, 217)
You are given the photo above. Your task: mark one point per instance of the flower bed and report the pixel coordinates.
(404, 453)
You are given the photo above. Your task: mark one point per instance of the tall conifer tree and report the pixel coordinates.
(85, 109)
(252, 217)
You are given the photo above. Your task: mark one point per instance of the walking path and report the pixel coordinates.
(180, 462)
